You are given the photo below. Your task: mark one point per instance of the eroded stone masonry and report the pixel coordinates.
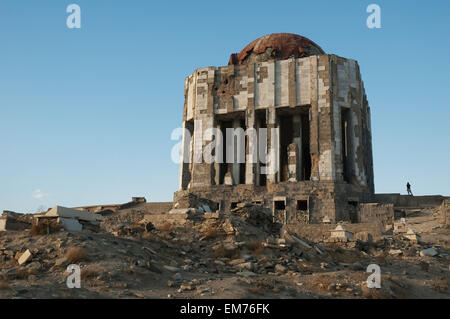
(324, 146)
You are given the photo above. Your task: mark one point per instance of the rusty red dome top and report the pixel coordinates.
(276, 46)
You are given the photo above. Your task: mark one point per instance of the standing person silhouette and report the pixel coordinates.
(408, 189)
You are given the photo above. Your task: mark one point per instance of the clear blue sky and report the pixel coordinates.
(86, 115)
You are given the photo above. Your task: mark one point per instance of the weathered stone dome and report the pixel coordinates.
(276, 46)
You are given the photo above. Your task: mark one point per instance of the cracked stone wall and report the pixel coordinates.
(321, 87)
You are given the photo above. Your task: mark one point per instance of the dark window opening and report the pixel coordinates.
(353, 211)
(353, 203)
(261, 118)
(224, 167)
(242, 165)
(188, 151)
(306, 153)
(302, 205)
(280, 205)
(286, 138)
(234, 205)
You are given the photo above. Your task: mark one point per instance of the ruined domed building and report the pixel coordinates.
(322, 166)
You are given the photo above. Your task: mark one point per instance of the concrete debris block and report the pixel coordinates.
(236, 261)
(395, 252)
(412, 236)
(25, 257)
(229, 246)
(172, 268)
(149, 250)
(219, 263)
(246, 273)
(211, 215)
(186, 288)
(280, 268)
(246, 266)
(428, 252)
(228, 227)
(180, 211)
(320, 252)
(71, 224)
(293, 239)
(64, 212)
(400, 228)
(195, 202)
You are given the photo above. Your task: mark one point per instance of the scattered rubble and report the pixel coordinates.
(196, 253)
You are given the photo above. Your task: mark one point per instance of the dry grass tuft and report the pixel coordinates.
(211, 232)
(75, 254)
(256, 246)
(22, 274)
(255, 290)
(324, 281)
(222, 252)
(45, 227)
(372, 294)
(89, 273)
(166, 227)
(441, 285)
(3, 285)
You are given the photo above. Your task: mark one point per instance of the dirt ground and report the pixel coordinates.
(231, 257)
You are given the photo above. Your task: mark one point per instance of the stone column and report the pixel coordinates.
(292, 162)
(218, 153)
(185, 156)
(236, 166)
(273, 146)
(297, 138)
(251, 148)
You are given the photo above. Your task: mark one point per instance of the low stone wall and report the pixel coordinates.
(324, 199)
(158, 207)
(376, 213)
(8, 223)
(409, 201)
(321, 232)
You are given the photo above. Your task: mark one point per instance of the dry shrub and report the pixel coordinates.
(45, 227)
(324, 281)
(373, 293)
(211, 232)
(3, 285)
(89, 273)
(256, 246)
(149, 236)
(255, 290)
(22, 274)
(222, 252)
(166, 227)
(441, 285)
(75, 254)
